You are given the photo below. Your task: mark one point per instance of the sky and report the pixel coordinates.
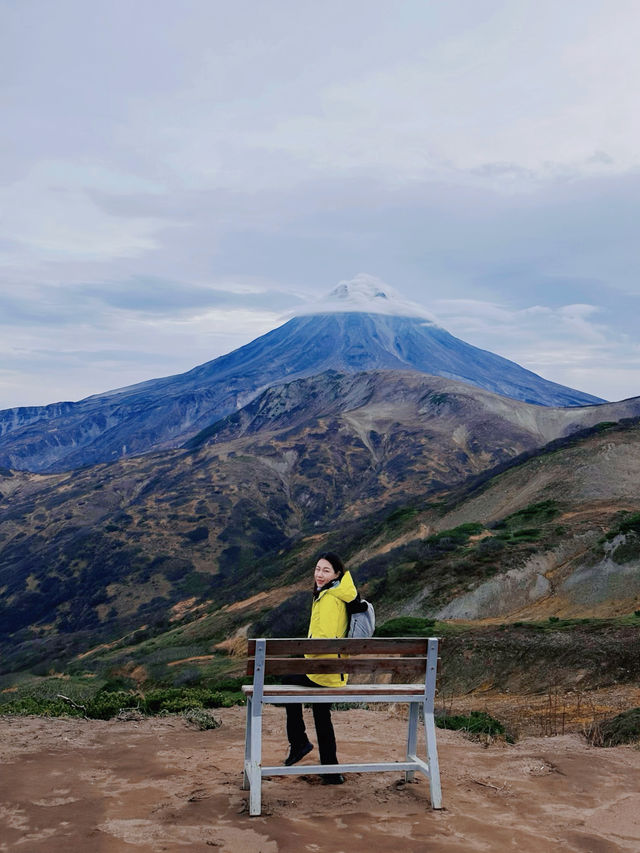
(177, 178)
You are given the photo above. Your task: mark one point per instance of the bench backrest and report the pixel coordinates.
(403, 657)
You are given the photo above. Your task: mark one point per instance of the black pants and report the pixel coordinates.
(296, 731)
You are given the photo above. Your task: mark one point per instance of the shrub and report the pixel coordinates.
(289, 619)
(629, 524)
(41, 707)
(106, 705)
(476, 722)
(628, 551)
(171, 700)
(625, 728)
(201, 718)
(198, 534)
(405, 626)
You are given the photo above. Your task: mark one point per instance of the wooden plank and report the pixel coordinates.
(275, 690)
(297, 666)
(375, 645)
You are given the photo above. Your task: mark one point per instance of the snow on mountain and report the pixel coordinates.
(368, 295)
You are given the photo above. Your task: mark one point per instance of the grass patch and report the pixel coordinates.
(474, 723)
(457, 536)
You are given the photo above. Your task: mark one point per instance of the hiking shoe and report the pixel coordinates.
(332, 779)
(296, 755)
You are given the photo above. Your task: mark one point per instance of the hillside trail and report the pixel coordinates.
(158, 784)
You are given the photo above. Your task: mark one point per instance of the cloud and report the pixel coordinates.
(50, 212)
(569, 344)
(40, 366)
(364, 293)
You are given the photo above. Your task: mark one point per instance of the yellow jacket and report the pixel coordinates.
(328, 620)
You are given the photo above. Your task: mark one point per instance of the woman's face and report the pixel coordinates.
(324, 573)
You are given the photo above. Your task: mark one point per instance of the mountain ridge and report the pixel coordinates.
(166, 412)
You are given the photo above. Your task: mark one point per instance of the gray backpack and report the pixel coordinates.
(362, 621)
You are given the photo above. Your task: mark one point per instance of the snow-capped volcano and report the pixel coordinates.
(365, 294)
(360, 326)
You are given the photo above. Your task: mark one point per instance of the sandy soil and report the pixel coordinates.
(160, 785)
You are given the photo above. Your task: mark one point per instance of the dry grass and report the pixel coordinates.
(558, 711)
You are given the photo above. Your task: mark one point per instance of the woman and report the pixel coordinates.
(333, 588)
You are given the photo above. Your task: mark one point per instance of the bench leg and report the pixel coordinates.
(255, 761)
(247, 747)
(432, 759)
(412, 737)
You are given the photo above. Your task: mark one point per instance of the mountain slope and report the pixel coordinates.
(166, 412)
(112, 547)
(557, 535)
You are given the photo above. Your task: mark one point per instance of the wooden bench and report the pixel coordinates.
(402, 657)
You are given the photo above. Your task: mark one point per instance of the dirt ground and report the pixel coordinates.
(158, 784)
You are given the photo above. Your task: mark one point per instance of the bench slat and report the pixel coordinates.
(374, 646)
(275, 690)
(320, 666)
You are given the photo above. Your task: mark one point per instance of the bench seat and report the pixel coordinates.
(351, 692)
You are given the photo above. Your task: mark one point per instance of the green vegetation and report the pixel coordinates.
(399, 516)
(106, 704)
(629, 523)
(406, 626)
(519, 526)
(457, 536)
(475, 723)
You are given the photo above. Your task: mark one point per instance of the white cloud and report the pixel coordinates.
(533, 92)
(41, 365)
(569, 344)
(51, 212)
(365, 293)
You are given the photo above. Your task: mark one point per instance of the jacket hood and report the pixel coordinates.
(344, 589)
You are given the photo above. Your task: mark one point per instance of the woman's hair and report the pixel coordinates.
(334, 559)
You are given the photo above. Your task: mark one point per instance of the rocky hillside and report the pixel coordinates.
(356, 461)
